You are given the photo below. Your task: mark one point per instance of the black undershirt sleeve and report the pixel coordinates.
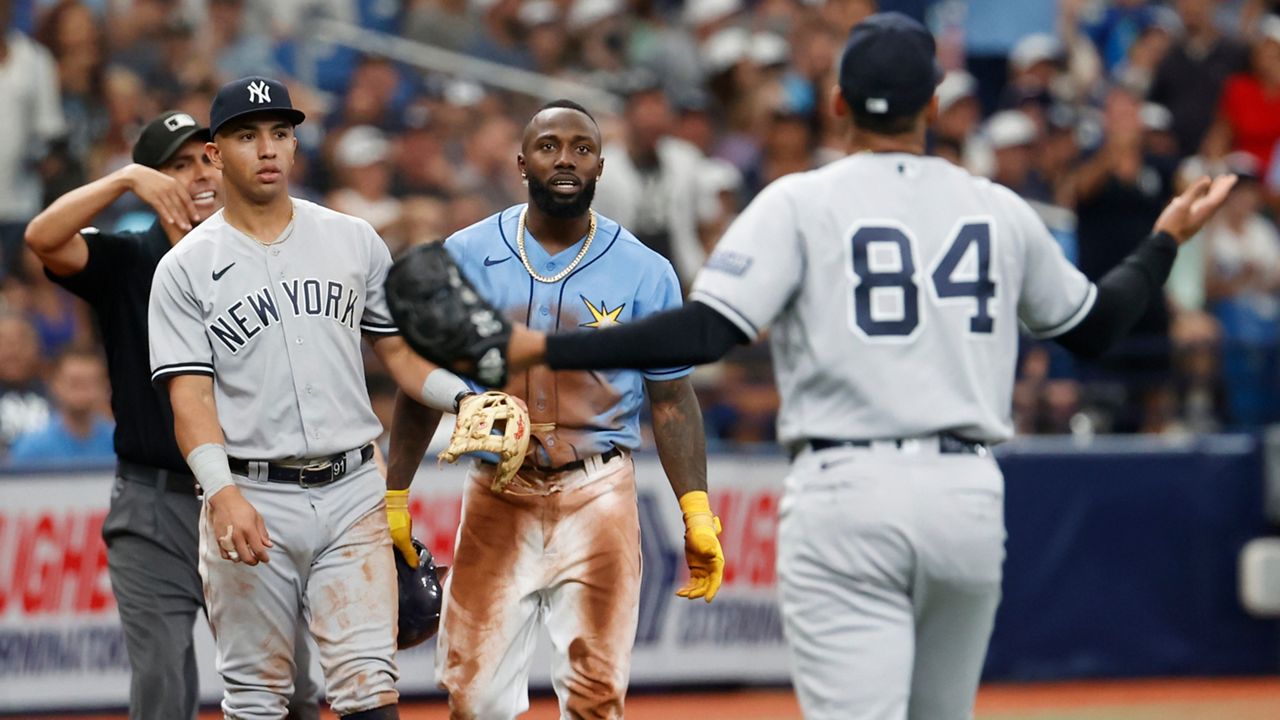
(1124, 295)
(690, 335)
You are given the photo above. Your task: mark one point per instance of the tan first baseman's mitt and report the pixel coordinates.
(492, 422)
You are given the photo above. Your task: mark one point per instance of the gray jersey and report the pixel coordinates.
(278, 327)
(894, 285)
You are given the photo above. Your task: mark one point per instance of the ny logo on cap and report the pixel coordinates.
(177, 121)
(259, 92)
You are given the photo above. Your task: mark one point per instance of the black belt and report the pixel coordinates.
(948, 444)
(605, 456)
(175, 482)
(313, 474)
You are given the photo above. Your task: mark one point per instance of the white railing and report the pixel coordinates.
(322, 31)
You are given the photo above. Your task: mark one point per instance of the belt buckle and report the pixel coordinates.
(337, 468)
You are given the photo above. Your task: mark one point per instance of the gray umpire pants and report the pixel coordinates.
(152, 545)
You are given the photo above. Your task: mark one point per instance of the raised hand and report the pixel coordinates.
(168, 197)
(1187, 213)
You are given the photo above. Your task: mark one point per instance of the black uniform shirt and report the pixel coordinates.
(116, 282)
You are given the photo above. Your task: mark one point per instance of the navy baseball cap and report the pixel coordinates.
(250, 95)
(162, 137)
(888, 66)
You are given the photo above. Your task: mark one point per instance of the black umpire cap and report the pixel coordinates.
(251, 95)
(162, 137)
(888, 66)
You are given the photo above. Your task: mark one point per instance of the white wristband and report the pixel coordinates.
(210, 466)
(441, 390)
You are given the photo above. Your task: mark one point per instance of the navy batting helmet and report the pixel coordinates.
(420, 598)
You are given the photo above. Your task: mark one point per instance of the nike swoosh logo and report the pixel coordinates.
(489, 262)
(217, 275)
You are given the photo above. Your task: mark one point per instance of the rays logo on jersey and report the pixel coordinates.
(603, 317)
(246, 318)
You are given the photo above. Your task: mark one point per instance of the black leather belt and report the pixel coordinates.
(605, 457)
(313, 474)
(181, 483)
(948, 444)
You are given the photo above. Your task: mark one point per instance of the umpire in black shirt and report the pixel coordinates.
(151, 528)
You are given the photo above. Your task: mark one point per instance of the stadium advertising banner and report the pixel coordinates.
(62, 646)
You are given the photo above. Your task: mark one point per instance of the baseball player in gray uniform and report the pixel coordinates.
(256, 319)
(150, 530)
(894, 286)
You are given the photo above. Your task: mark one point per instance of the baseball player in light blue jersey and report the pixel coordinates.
(893, 286)
(560, 545)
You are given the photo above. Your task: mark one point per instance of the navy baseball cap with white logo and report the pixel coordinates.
(252, 95)
(162, 137)
(888, 66)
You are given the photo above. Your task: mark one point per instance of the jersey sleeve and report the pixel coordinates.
(757, 266)
(377, 317)
(109, 257)
(175, 325)
(665, 294)
(1055, 296)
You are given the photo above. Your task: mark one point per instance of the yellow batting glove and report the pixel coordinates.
(401, 524)
(702, 550)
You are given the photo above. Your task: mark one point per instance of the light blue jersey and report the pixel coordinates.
(575, 413)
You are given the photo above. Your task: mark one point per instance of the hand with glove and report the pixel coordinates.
(401, 524)
(702, 549)
(491, 422)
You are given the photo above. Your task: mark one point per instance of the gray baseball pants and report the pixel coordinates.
(889, 567)
(152, 542)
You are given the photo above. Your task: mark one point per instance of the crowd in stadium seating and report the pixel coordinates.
(1096, 111)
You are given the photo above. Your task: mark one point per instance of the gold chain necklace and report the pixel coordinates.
(524, 257)
(284, 236)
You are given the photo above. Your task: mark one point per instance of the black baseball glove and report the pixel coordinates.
(444, 319)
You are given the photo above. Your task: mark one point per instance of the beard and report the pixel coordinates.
(559, 206)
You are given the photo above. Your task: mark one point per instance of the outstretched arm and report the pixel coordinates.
(694, 334)
(1129, 289)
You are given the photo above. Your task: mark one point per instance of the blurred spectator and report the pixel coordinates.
(445, 24)
(59, 320)
(649, 185)
(959, 116)
(1120, 191)
(1249, 112)
(361, 159)
(1012, 135)
(489, 153)
(545, 35)
(1190, 78)
(498, 39)
(73, 36)
(1117, 26)
(239, 48)
(720, 200)
(1034, 65)
(1242, 279)
(31, 115)
(77, 429)
(424, 219)
(23, 405)
(1138, 69)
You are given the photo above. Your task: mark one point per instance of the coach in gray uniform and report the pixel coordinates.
(150, 529)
